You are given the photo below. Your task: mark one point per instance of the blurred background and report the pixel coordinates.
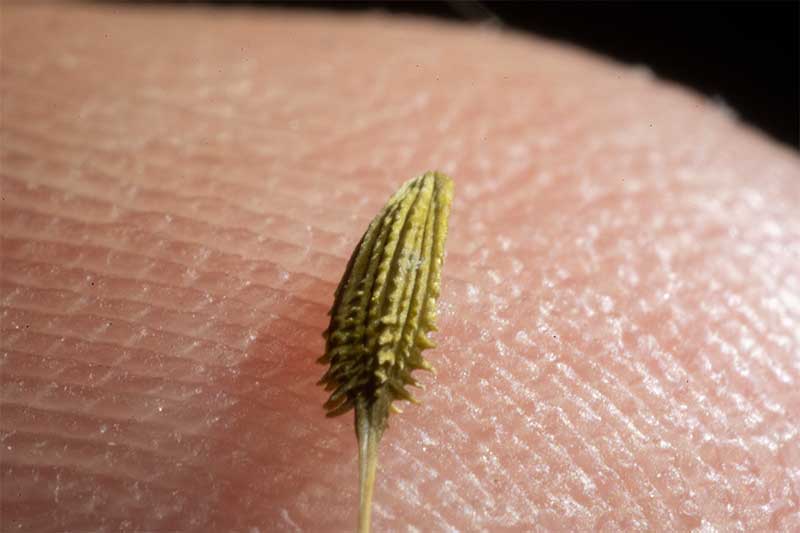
(743, 54)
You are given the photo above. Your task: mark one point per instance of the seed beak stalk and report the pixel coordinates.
(368, 433)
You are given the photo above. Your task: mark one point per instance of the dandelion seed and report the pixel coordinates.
(383, 310)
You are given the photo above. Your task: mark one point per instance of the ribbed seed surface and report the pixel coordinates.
(385, 305)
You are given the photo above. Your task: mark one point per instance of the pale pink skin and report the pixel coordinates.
(619, 344)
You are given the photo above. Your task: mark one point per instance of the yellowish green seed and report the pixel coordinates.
(383, 310)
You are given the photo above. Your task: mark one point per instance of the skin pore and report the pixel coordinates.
(619, 323)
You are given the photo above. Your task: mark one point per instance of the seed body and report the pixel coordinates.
(385, 304)
(383, 310)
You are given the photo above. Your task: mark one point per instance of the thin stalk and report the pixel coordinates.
(368, 437)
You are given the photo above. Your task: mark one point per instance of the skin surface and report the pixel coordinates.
(619, 342)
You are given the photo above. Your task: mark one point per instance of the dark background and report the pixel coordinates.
(745, 54)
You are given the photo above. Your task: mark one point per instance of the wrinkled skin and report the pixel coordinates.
(619, 342)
